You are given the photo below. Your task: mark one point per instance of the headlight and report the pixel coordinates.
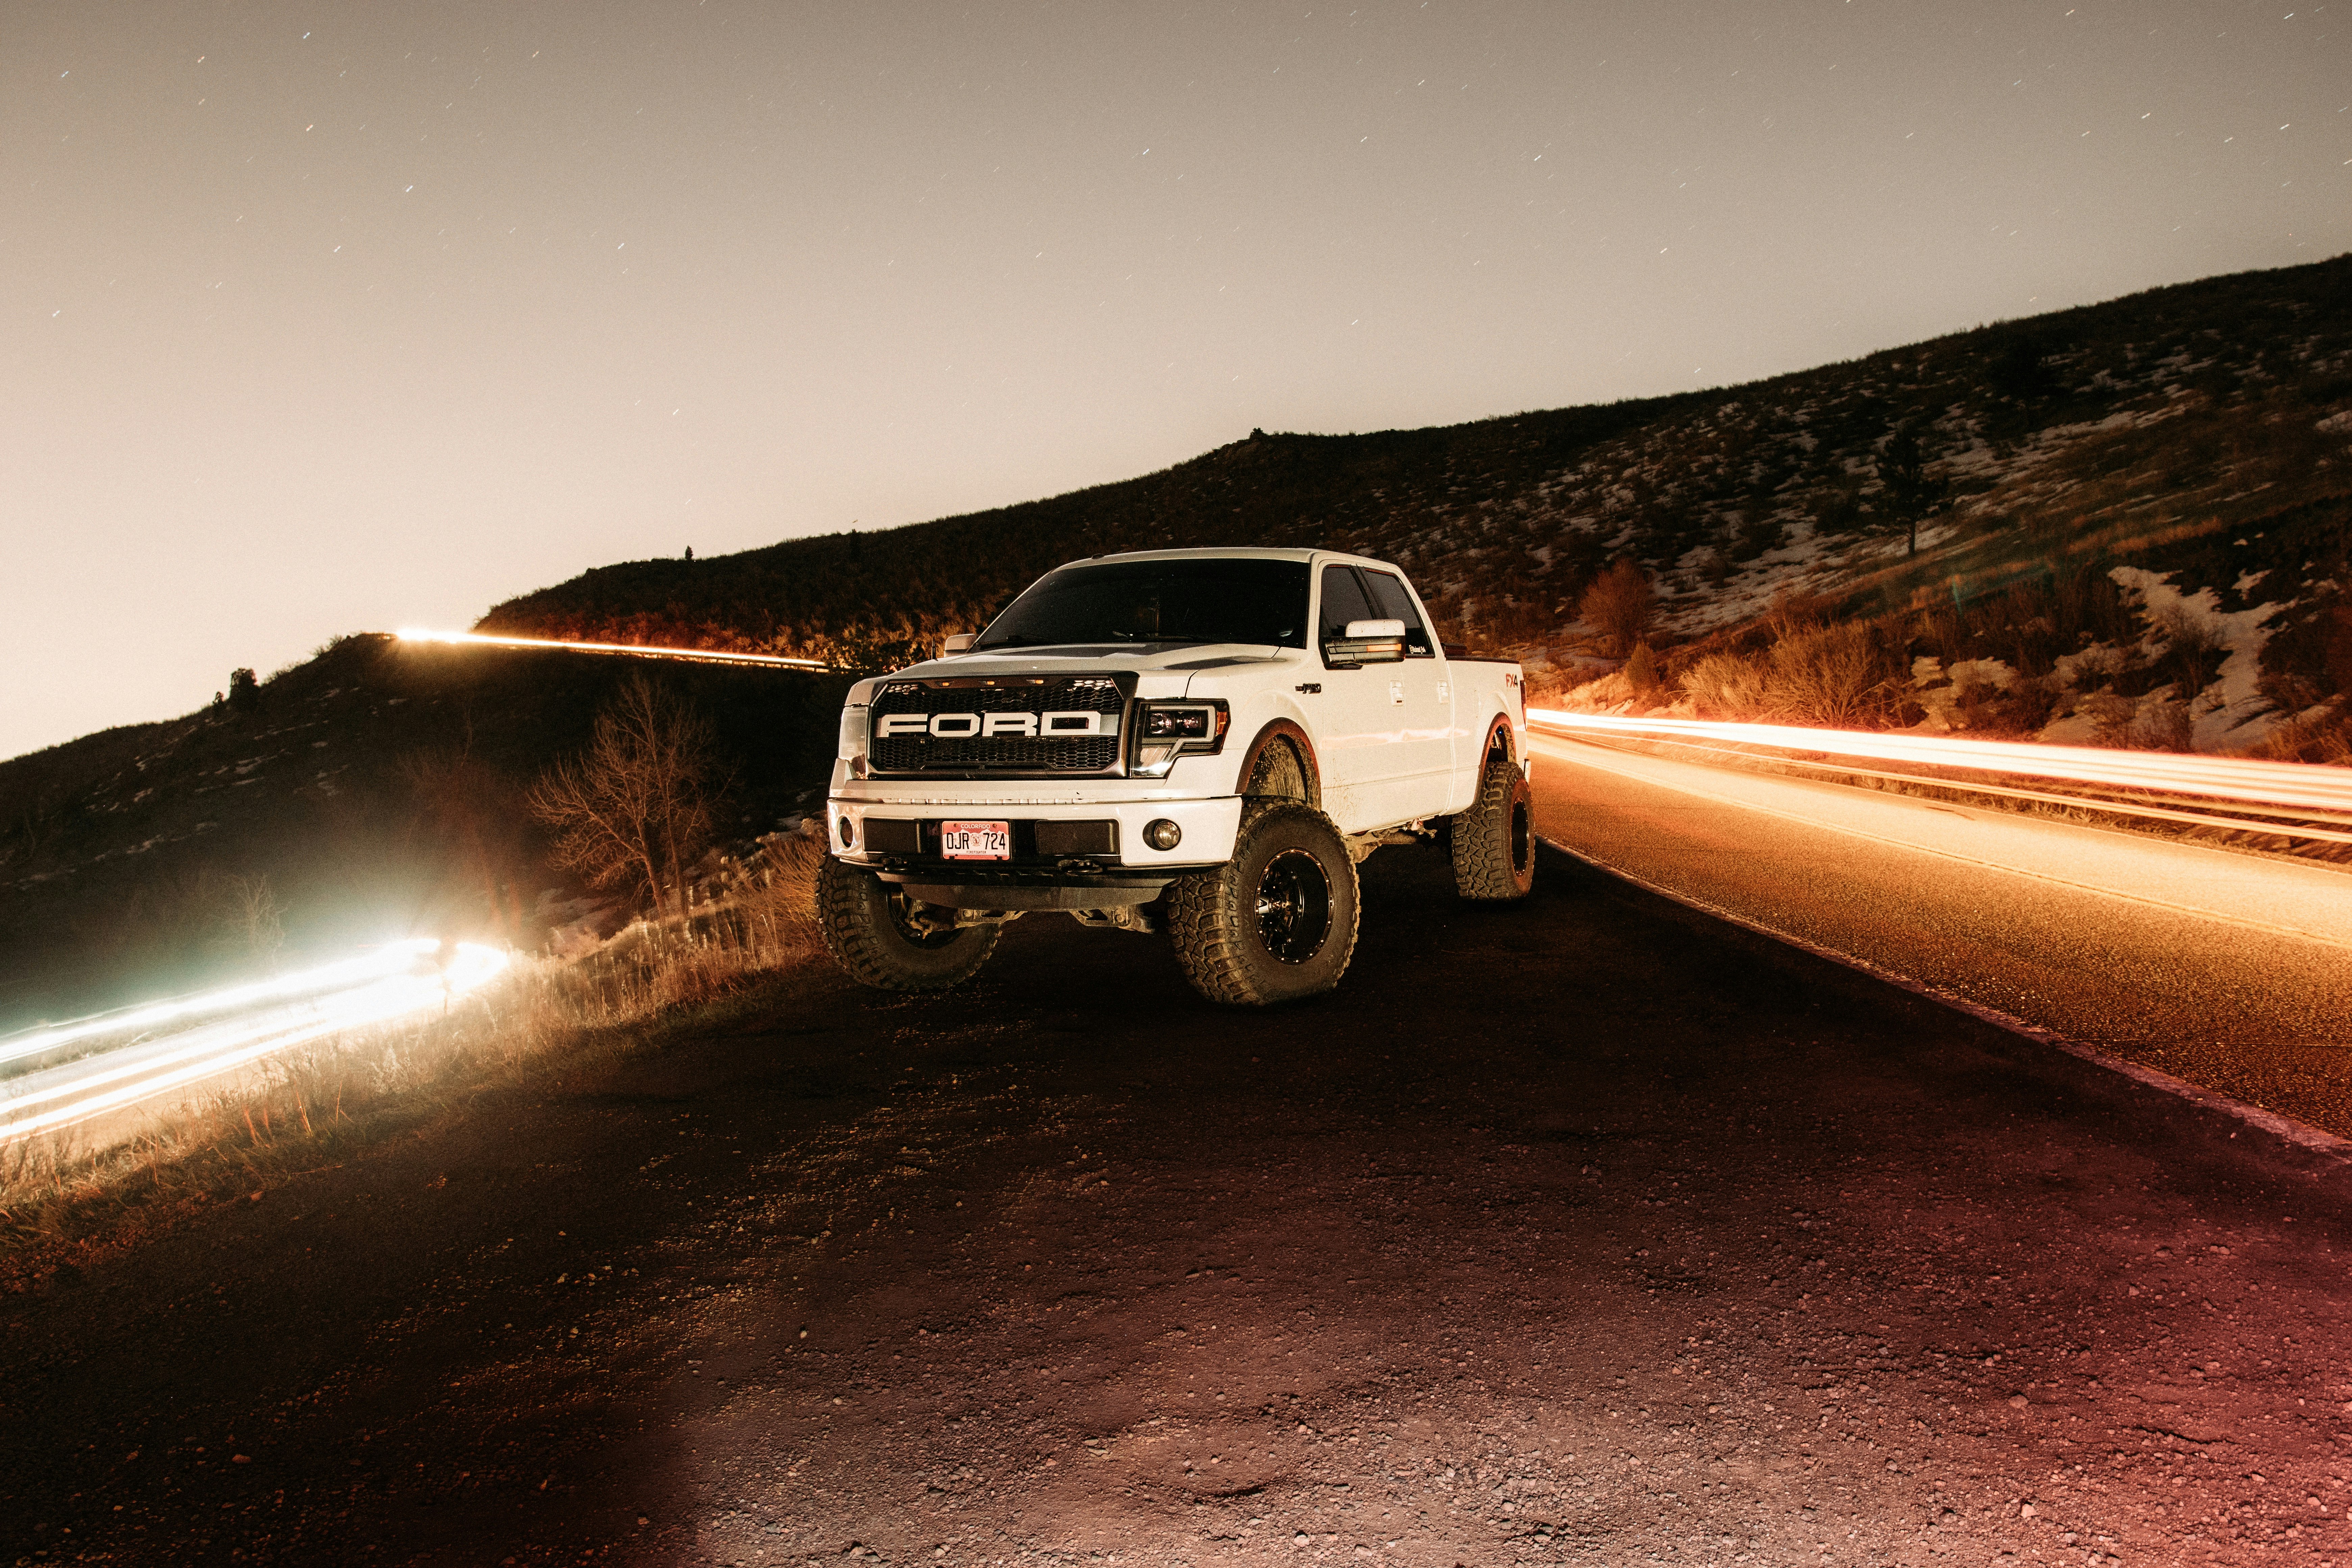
(1180, 724)
(852, 747)
(1166, 730)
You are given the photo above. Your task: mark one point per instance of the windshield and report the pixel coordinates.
(1204, 600)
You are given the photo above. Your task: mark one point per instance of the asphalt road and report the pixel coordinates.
(2232, 970)
(1582, 1232)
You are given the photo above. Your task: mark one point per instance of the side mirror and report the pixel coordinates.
(958, 642)
(1367, 642)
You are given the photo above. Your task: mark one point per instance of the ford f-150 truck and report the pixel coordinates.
(1200, 741)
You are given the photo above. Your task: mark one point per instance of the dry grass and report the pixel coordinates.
(325, 1102)
(1835, 676)
(2324, 736)
(1726, 685)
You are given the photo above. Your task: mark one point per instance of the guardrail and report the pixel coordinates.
(2288, 800)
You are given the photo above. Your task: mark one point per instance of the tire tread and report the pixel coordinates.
(1482, 836)
(851, 918)
(1209, 924)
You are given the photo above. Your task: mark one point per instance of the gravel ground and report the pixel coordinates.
(1577, 1233)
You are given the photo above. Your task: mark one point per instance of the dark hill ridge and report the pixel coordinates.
(2211, 405)
(834, 593)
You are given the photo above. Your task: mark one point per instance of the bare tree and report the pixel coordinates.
(635, 807)
(1618, 604)
(252, 917)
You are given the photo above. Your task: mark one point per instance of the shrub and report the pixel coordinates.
(2323, 737)
(2193, 651)
(1831, 676)
(1726, 685)
(1642, 670)
(2160, 725)
(1619, 606)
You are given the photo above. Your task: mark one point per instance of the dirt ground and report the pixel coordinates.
(1576, 1233)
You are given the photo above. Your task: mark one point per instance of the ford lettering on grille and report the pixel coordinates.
(1003, 724)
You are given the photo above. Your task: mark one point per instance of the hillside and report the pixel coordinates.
(2142, 540)
(2153, 432)
(372, 792)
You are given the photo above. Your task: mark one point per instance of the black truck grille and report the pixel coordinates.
(934, 754)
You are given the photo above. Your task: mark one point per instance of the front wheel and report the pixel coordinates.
(883, 938)
(1495, 840)
(1276, 923)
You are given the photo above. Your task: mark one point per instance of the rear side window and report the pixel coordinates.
(1396, 604)
(1343, 601)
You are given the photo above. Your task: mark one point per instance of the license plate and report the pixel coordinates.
(976, 840)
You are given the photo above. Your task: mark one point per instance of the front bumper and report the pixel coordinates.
(1208, 828)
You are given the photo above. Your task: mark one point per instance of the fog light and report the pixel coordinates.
(1163, 835)
(848, 833)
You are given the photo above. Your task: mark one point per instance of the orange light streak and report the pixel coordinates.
(2287, 785)
(697, 655)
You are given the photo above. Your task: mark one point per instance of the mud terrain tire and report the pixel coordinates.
(1276, 923)
(866, 929)
(1278, 775)
(1495, 840)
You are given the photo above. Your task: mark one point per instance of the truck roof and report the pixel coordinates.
(1238, 552)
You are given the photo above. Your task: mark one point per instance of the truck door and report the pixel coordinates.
(1358, 725)
(1421, 705)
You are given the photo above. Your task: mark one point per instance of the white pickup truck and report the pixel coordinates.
(1203, 741)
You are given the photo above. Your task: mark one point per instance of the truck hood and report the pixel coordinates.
(1167, 668)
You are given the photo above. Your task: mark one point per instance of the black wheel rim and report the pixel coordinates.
(1293, 905)
(1522, 835)
(902, 917)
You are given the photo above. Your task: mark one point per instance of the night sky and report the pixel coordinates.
(331, 318)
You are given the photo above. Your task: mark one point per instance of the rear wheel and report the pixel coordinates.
(1495, 840)
(882, 938)
(1276, 923)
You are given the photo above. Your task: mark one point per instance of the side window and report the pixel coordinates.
(1396, 604)
(1343, 601)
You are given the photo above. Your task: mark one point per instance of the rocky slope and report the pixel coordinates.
(2200, 436)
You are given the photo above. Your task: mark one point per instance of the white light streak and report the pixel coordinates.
(2291, 786)
(375, 987)
(389, 959)
(698, 654)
